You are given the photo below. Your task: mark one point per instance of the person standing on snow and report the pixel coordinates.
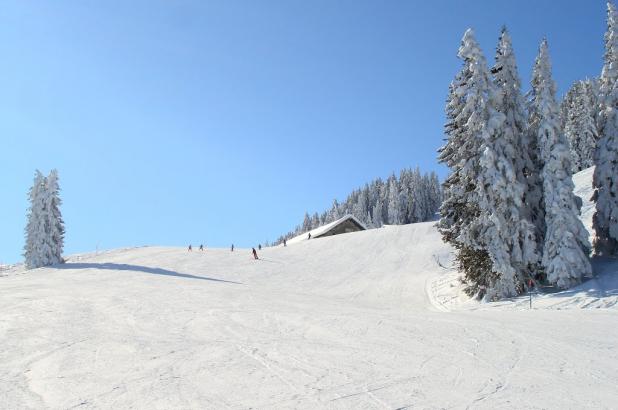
(254, 253)
(232, 247)
(201, 247)
(190, 248)
(309, 236)
(260, 247)
(285, 243)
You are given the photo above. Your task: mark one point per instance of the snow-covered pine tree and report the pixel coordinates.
(56, 224)
(535, 204)
(315, 221)
(378, 211)
(513, 163)
(605, 219)
(306, 223)
(436, 195)
(498, 193)
(404, 186)
(394, 204)
(470, 119)
(578, 113)
(565, 249)
(37, 250)
(335, 212)
(418, 203)
(455, 210)
(360, 207)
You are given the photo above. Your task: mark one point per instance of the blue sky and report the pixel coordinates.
(176, 122)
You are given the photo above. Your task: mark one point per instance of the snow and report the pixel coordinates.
(584, 190)
(366, 320)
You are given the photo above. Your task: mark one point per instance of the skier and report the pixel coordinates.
(309, 237)
(190, 248)
(260, 247)
(254, 253)
(201, 247)
(285, 243)
(232, 247)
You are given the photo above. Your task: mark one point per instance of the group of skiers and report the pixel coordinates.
(253, 251)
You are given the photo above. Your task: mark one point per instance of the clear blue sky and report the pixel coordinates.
(176, 122)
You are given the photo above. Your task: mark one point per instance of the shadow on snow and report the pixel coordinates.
(136, 268)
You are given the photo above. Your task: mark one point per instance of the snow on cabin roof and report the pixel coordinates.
(324, 229)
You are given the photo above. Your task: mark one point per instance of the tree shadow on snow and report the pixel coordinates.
(136, 268)
(603, 284)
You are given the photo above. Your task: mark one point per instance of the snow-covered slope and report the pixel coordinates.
(354, 321)
(583, 189)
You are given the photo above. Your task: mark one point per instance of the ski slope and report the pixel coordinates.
(367, 320)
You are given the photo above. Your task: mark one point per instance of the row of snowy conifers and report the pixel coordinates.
(509, 208)
(45, 228)
(413, 197)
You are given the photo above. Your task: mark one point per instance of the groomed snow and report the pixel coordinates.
(366, 320)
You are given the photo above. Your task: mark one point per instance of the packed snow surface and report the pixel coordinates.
(367, 320)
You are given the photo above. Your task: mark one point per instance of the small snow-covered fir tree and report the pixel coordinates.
(56, 224)
(565, 249)
(378, 210)
(45, 227)
(418, 205)
(335, 212)
(605, 219)
(306, 226)
(36, 249)
(315, 221)
(394, 202)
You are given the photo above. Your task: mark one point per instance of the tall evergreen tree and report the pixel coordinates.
(605, 219)
(565, 248)
(498, 227)
(454, 210)
(466, 221)
(578, 119)
(513, 163)
(533, 197)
